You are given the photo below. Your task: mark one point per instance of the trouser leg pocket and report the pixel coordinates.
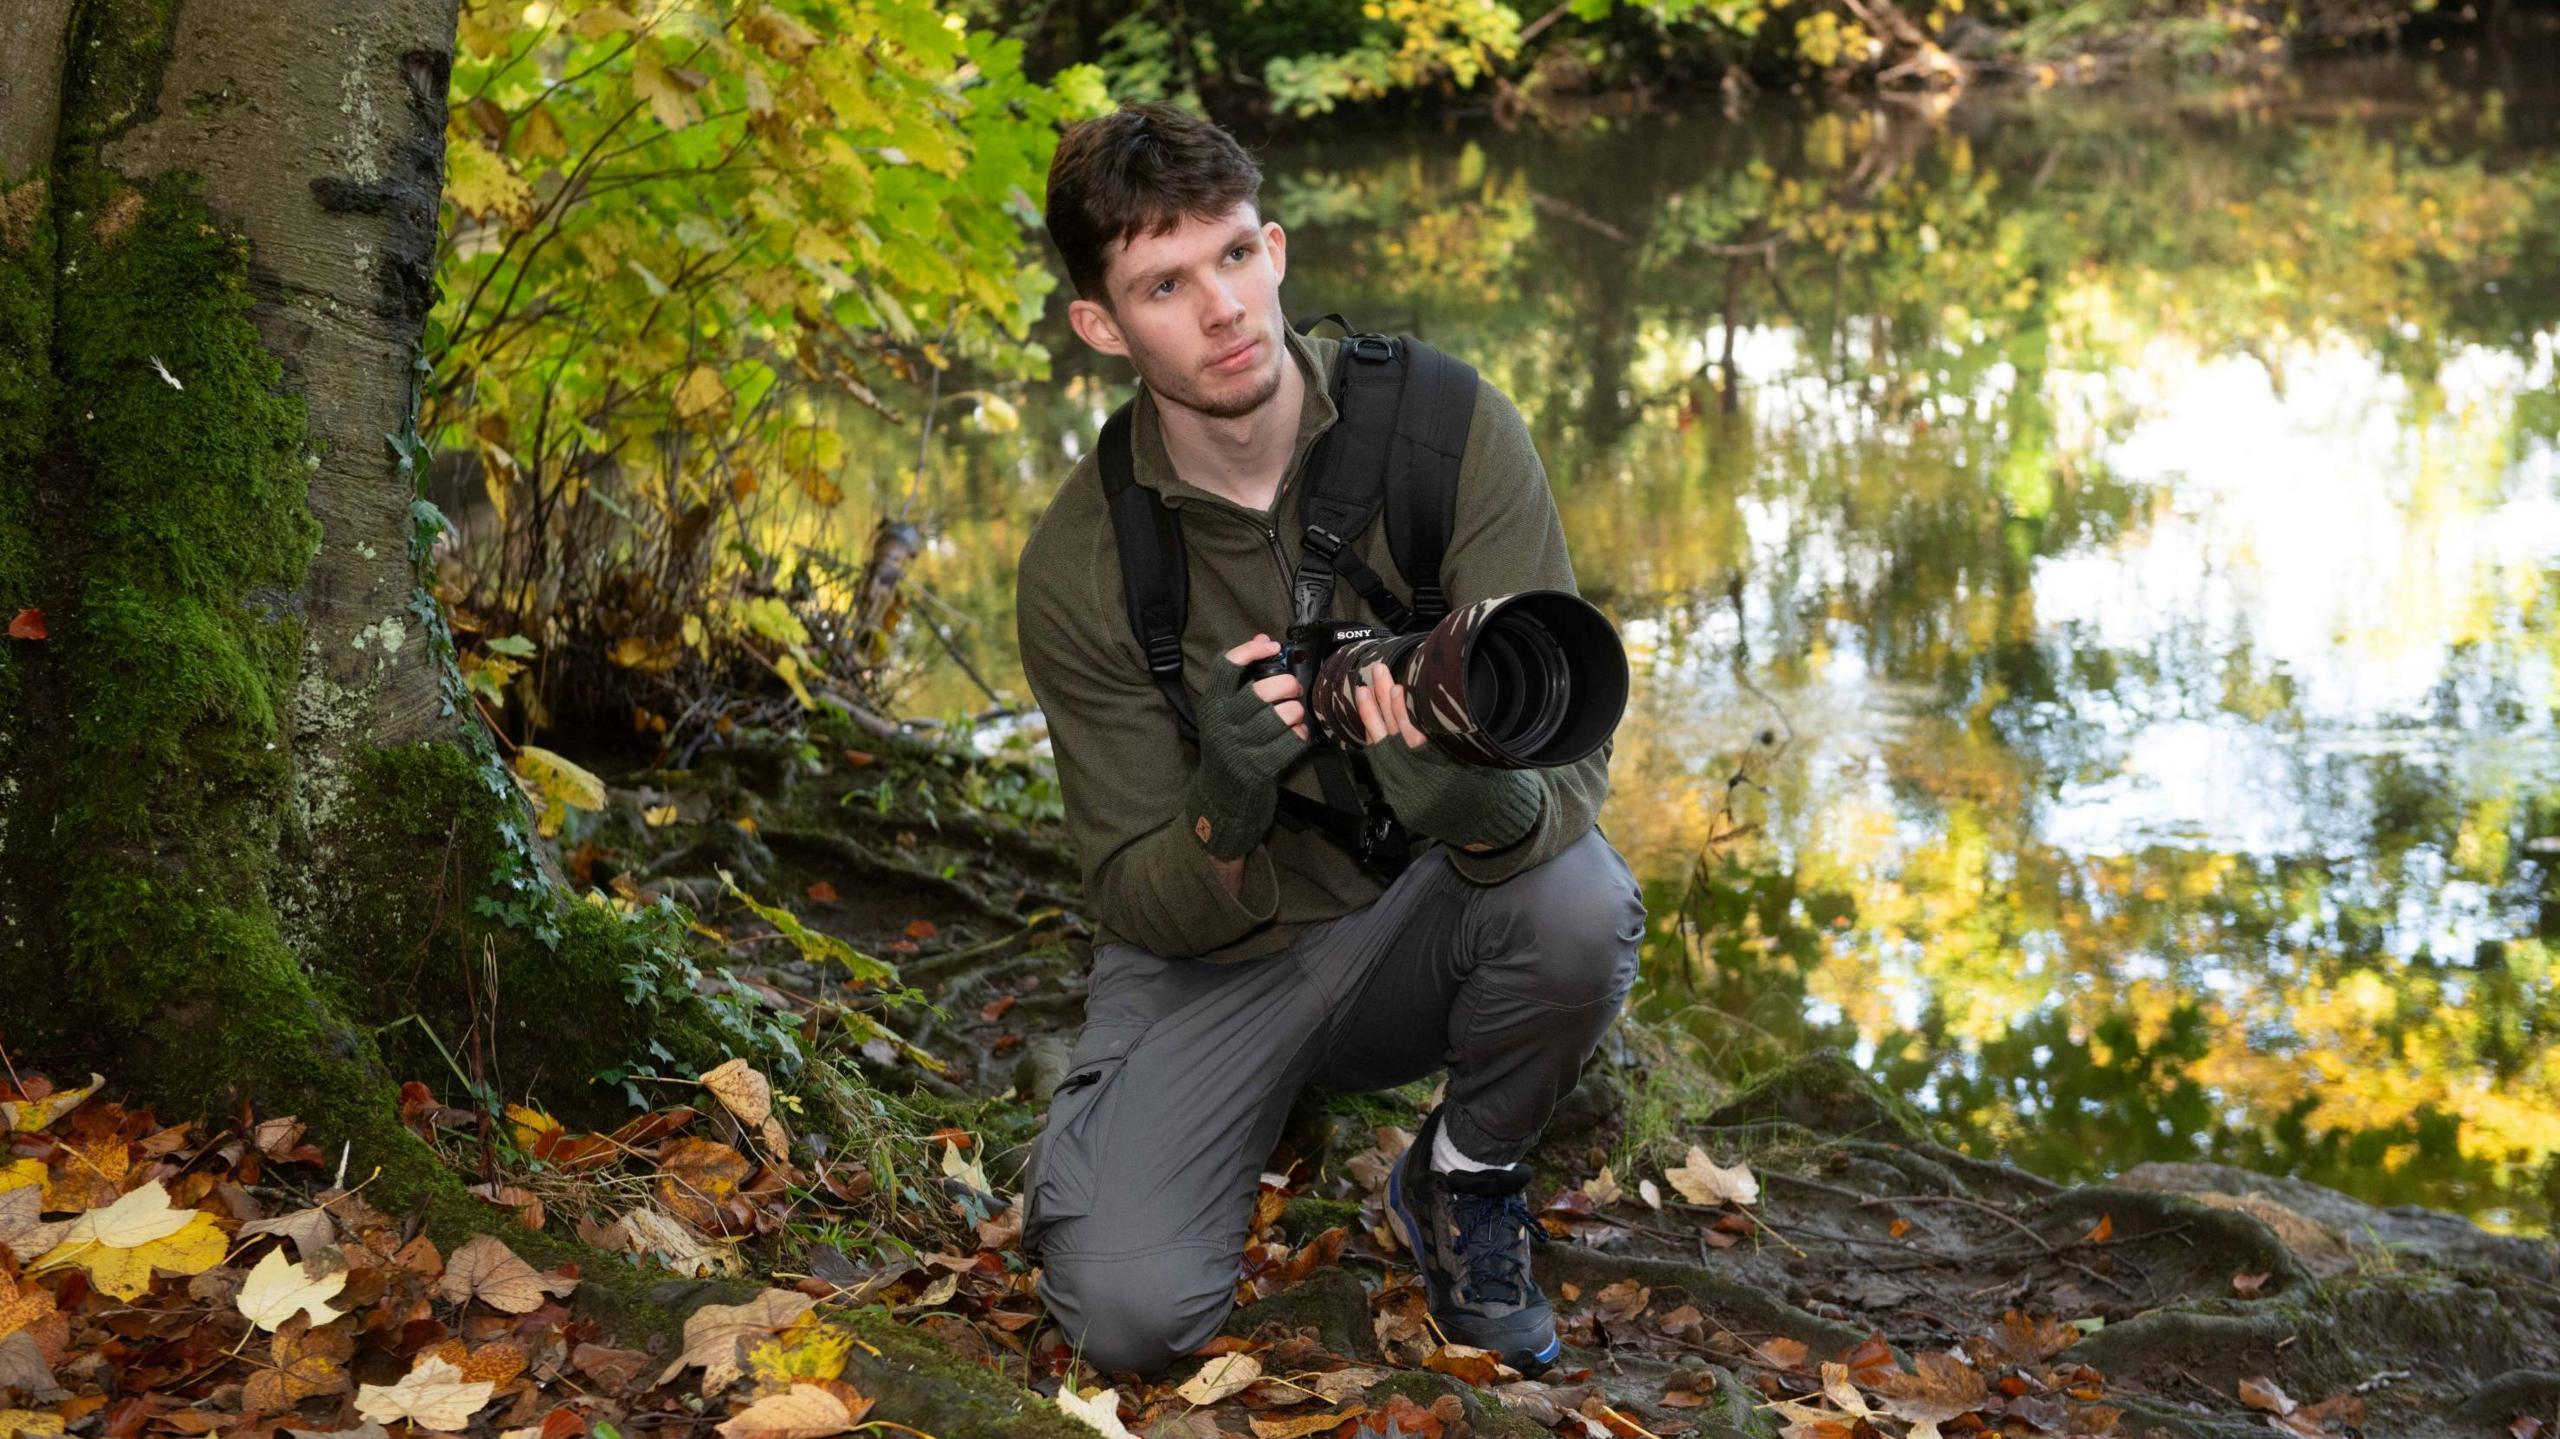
(1067, 1160)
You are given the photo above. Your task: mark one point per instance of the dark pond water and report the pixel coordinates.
(2093, 566)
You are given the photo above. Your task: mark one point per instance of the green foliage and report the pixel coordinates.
(680, 238)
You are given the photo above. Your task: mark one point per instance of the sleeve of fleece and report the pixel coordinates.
(1510, 538)
(1121, 767)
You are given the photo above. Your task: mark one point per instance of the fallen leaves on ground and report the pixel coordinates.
(484, 1268)
(803, 1411)
(278, 1289)
(333, 1318)
(1224, 1375)
(1099, 1411)
(1701, 1180)
(121, 1245)
(432, 1396)
(712, 1334)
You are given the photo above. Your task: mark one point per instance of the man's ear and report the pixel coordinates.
(1097, 326)
(1276, 241)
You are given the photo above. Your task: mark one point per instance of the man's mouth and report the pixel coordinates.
(1236, 359)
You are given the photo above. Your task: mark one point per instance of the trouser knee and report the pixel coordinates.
(1139, 1312)
(1571, 927)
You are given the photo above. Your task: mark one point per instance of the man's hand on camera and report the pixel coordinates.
(1474, 808)
(1248, 735)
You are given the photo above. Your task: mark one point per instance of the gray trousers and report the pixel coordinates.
(1143, 1179)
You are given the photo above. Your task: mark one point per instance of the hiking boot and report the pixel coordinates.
(1470, 1232)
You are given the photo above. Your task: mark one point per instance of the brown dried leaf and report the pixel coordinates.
(803, 1411)
(713, 1333)
(1225, 1375)
(696, 1177)
(1468, 1364)
(1943, 1387)
(1701, 1180)
(1784, 1353)
(311, 1230)
(487, 1270)
(307, 1362)
(2263, 1394)
(23, 1231)
(741, 1091)
(432, 1396)
(615, 1371)
(1304, 1424)
(2021, 1341)
(23, 1367)
(1622, 1302)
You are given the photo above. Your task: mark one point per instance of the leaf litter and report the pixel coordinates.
(231, 1289)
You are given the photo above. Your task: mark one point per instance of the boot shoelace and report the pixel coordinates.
(1489, 1243)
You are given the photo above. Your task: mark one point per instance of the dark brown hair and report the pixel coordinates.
(1139, 171)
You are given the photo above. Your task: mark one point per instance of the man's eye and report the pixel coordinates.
(1164, 287)
(1239, 250)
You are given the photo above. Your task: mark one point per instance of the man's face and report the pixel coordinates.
(1197, 310)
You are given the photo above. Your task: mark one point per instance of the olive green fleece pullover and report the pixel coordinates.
(1122, 763)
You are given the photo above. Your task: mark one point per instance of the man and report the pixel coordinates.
(1238, 960)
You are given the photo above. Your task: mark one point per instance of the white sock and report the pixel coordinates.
(1445, 1156)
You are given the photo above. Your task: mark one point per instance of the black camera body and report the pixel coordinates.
(1308, 644)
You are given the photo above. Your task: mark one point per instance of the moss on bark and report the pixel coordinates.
(209, 929)
(26, 399)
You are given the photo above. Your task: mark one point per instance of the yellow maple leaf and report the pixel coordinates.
(531, 1124)
(667, 92)
(479, 182)
(29, 1422)
(701, 394)
(809, 1349)
(22, 1174)
(26, 1116)
(557, 785)
(121, 1244)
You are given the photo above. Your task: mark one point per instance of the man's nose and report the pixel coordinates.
(1226, 306)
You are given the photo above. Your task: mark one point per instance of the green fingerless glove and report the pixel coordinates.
(1474, 808)
(1244, 746)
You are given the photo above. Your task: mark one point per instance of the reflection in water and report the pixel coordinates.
(2112, 540)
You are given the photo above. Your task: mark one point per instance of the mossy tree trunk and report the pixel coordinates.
(249, 845)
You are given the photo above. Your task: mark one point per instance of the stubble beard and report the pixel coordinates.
(1232, 406)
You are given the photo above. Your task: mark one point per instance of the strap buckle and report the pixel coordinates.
(1374, 349)
(1164, 655)
(1324, 542)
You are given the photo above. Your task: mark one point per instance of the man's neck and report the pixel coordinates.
(1242, 459)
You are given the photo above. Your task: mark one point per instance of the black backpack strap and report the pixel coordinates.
(1347, 479)
(1155, 576)
(1422, 502)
